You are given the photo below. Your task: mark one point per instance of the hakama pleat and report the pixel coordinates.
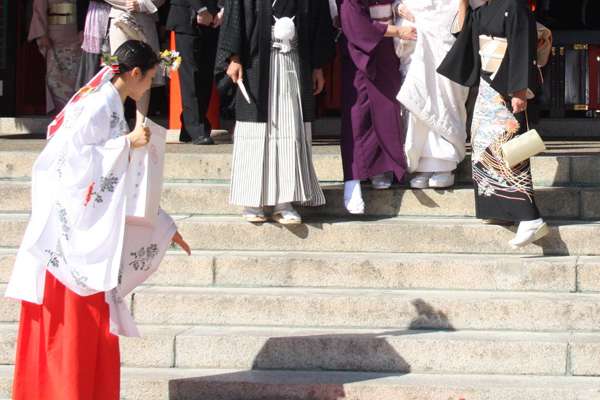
(272, 162)
(65, 350)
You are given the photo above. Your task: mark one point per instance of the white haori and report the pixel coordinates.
(77, 226)
(436, 126)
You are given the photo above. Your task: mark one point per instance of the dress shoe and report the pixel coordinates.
(203, 140)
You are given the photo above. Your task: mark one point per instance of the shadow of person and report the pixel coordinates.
(429, 318)
(291, 367)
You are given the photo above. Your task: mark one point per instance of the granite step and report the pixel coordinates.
(399, 271)
(198, 384)
(367, 308)
(213, 199)
(395, 235)
(364, 350)
(560, 167)
(359, 308)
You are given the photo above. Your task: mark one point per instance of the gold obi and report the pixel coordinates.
(492, 51)
(62, 14)
(382, 13)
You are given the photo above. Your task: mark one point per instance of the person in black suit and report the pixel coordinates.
(196, 24)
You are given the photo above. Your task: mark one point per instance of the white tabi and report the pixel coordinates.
(436, 121)
(78, 229)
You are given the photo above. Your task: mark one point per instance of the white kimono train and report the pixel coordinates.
(436, 118)
(78, 229)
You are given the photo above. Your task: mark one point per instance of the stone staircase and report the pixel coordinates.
(416, 300)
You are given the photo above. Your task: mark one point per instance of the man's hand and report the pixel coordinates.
(139, 137)
(132, 6)
(235, 70)
(318, 81)
(519, 101)
(218, 19)
(204, 18)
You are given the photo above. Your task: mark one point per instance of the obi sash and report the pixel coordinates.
(382, 11)
(62, 14)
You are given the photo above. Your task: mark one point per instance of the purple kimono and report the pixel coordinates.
(372, 139)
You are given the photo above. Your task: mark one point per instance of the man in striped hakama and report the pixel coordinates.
(275, 50)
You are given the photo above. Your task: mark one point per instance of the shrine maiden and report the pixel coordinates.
(70, 270)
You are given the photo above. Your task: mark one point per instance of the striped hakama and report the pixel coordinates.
(272, 162)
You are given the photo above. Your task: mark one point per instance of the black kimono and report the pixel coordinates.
(246, 31)
(501, 192)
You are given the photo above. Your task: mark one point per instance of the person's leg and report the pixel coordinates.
(204, 79)
(191, 125)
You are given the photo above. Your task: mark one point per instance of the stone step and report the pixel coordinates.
(197, 384)
(461, 352)
(185, 162)
(368, 308)
(359, 308)
(396, 235)
(213, 199)
(370, 271)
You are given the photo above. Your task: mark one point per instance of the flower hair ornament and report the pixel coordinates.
(170, 61)
(112, 62)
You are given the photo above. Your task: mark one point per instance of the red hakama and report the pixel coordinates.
(65, 350)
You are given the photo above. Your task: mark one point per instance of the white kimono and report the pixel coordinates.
(78, 228)
(436, 118)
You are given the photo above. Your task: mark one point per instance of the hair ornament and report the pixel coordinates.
(111, 61)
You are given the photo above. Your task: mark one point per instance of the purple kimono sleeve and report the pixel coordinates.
(362, 33)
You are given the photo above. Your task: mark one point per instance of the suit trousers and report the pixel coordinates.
(196, 75)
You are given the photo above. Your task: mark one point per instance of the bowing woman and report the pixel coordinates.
(507, 79)
(70, 267)
(276, 50)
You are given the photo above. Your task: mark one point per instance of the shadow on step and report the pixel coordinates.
(348, 358)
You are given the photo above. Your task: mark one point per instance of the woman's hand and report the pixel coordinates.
(139, 137)
(318, 81)
(132, 6)
(403, 32)
(403, 12)
(44, 43)
(235, 70)
(180, 241)
(519, 101)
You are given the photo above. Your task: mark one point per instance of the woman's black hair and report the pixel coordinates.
(135, 53)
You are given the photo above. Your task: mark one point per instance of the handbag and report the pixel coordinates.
(522, 147)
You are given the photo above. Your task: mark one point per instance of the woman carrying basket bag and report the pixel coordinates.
(497, 50)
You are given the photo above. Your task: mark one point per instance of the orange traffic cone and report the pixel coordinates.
(175, 106)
